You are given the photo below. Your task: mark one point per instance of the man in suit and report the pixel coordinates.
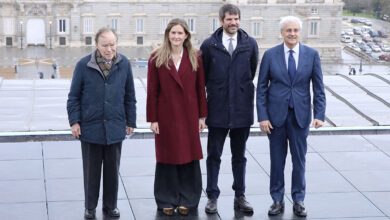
(284, 109)
(230, 59)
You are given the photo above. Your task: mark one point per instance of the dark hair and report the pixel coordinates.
(231, 9)
(105, 30)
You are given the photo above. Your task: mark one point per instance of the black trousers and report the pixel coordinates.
(215, 142)
(178, 185)
(94, 156)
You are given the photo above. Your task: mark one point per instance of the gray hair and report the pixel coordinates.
(229, 8)
(105, 30)
(290, 19)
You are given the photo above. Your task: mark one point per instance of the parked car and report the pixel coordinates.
(357, 40)
(365, 29)
(385, 57)
(374, 57)
(385, 48)
(366, 39)
(368, 22)
(346, 39)
(342, 33)
(354, 21)
(382, 33)
(349, 32)
(357, 31)
(366, 34)
(365, 48)
(377, 40)
(375, 48)
(373, 33)
(354, 47)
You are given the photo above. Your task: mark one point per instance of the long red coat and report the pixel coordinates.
(176, 100)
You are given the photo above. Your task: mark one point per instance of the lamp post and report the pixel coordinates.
(50, 32)
(21, 34)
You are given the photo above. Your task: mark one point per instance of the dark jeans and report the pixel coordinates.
(94, 156)
(215, 142)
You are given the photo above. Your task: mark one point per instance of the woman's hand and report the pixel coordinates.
(202, 124)
(154, 127)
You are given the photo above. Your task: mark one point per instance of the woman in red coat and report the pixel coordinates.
(176, 107)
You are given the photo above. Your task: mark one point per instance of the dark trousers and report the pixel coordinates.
(178, 185)
(94, 156)
(215, 142)
(296, 137)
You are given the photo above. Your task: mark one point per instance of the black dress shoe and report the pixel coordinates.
(243, 205)
(299, 209)
(114, 213)
(90, 213)
(276, 208)
(211, 206)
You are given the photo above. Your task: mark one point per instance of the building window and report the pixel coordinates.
(313, 28)
(88, 25)
(314, 11)
(214, 24)
(8, 41)
(256, 29)
(62, 41)
(9, 26)
(139, 25)
(88, 40)
(140, 40)
(114, 24)
(62, 25)
(191, 24)
(164, 24)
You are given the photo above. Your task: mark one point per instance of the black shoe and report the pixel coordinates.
(299, 209)
(241, 204)
(211, 206)
(90, 213)
(276, 208)
(114, 213)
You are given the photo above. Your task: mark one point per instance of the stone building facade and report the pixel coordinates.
(73, 23)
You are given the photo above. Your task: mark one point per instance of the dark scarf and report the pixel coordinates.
(103, 65)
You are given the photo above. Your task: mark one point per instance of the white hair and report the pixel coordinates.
(290, 19)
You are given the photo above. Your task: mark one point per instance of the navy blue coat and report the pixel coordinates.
(102, 107)
(275, 89)
(230, 90)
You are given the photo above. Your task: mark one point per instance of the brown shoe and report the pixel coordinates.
(168, 211)
(183, 210)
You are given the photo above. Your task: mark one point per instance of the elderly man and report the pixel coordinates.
(284, 109)
(101, 110)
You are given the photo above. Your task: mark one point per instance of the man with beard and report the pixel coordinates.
(230, 58)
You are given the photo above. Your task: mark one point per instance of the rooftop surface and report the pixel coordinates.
(347, 178)
(40, 104)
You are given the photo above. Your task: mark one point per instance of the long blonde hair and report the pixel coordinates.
(163, 54)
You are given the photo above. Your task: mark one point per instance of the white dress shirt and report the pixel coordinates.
(177, 65)
(225, 41)
(295, 54)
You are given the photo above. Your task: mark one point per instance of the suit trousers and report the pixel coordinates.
(215, 142)
(178, 185)
(296, 137)
(94, 156)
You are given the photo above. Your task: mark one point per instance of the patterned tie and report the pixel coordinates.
(230, 48)
(291, 71)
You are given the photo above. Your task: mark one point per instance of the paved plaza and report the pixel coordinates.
(347, 178)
